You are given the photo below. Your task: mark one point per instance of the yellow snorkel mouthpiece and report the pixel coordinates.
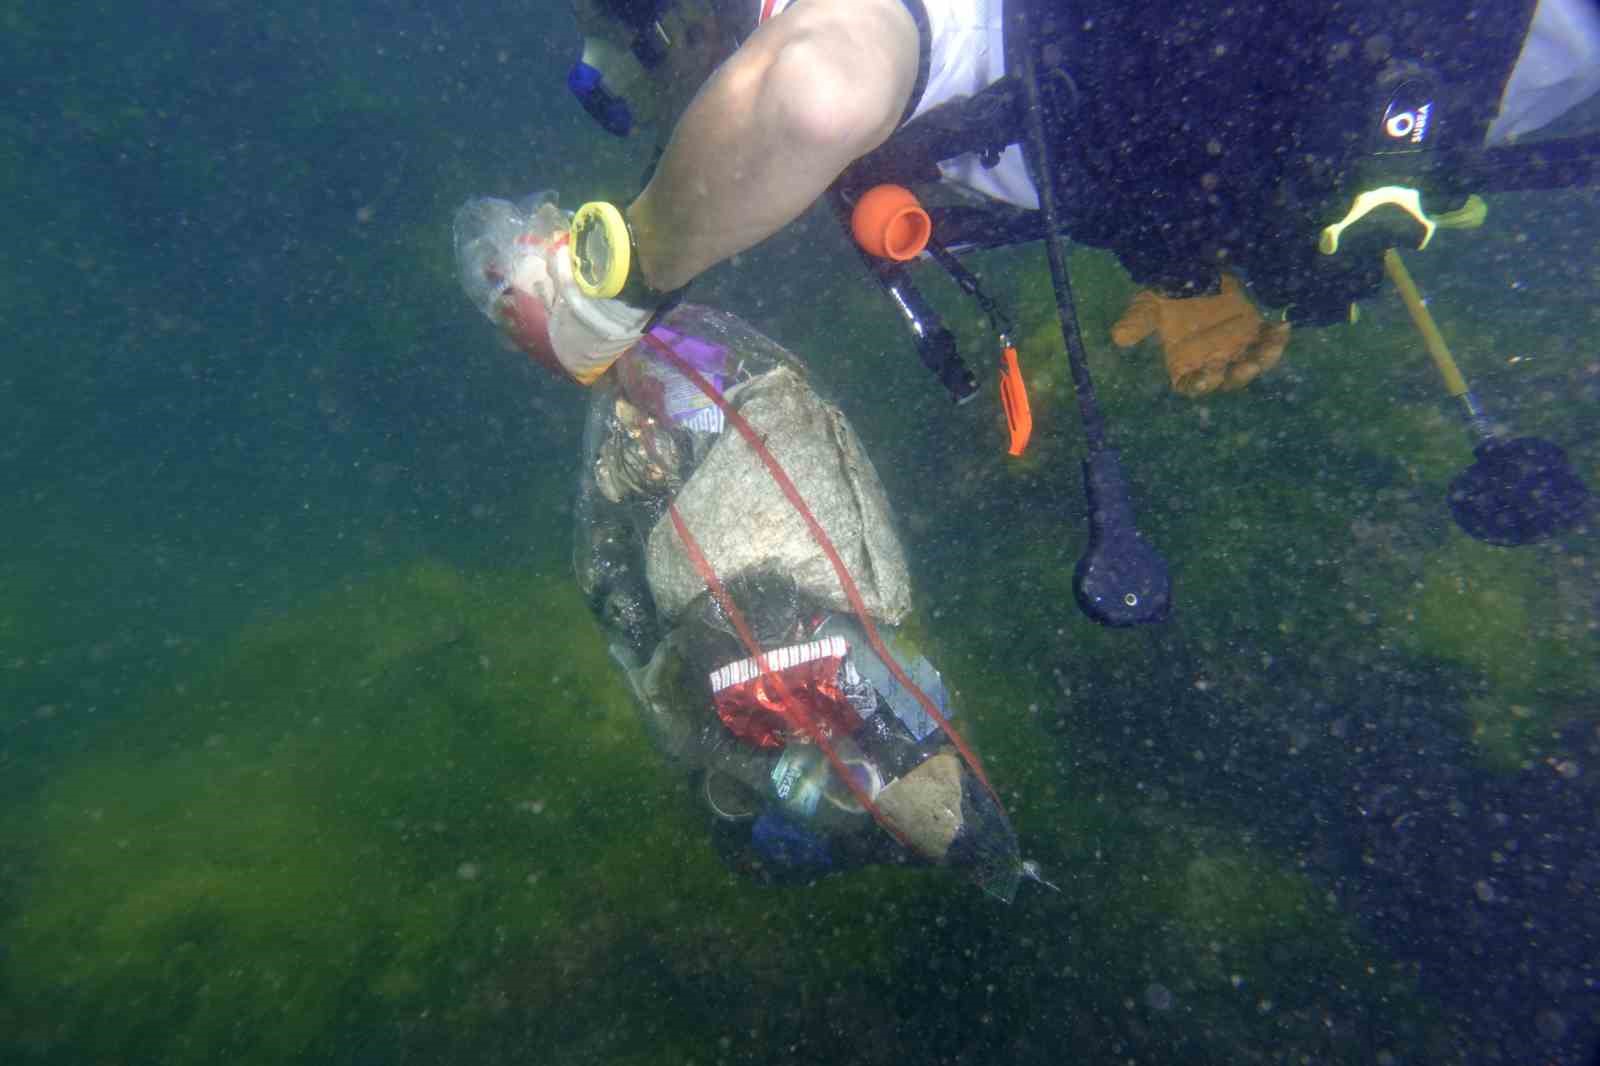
(601, 250)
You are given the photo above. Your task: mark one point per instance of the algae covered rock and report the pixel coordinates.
(308, 830)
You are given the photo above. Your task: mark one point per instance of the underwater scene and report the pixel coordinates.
(312, 749)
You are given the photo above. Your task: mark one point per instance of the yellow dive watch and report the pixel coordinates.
(605, 261)
(601, 249)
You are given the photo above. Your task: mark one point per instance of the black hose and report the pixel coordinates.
(1120, 580)
(1094, 426)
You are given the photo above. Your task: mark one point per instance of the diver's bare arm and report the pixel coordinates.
(808, 93)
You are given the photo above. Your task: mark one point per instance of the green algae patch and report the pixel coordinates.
(417, 815)
(197, 909)
(1515, 621)
(1183, 928)
(1216, 928)
(308, 830)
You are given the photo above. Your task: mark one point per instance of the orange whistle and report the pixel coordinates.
(1014, 399)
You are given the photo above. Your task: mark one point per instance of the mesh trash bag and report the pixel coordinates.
(808, 750)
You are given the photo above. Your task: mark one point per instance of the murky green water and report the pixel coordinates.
(310, 752)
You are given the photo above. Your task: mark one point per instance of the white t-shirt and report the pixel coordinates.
(1558, 69)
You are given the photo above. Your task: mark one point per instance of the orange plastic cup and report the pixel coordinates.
(889, 223)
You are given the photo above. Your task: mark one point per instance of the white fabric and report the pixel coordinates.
(969, 53)
(1559, 68)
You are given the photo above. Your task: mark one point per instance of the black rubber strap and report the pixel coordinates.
(636, 292)
(919, 15)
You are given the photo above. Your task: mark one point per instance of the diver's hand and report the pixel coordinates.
(1211, 342)
(589, 334)
(585, 334)
(515, 265)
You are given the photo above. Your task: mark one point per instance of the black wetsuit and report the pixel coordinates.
(1191, 138)
(1195, 138)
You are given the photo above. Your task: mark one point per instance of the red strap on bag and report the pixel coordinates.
(846, 582)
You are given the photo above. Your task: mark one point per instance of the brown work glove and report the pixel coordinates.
(1211, 342)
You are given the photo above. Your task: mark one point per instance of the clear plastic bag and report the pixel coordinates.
(500, 244)
(818, 757)
(514, 266)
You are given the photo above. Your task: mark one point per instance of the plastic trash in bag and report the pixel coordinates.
(818, 742)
